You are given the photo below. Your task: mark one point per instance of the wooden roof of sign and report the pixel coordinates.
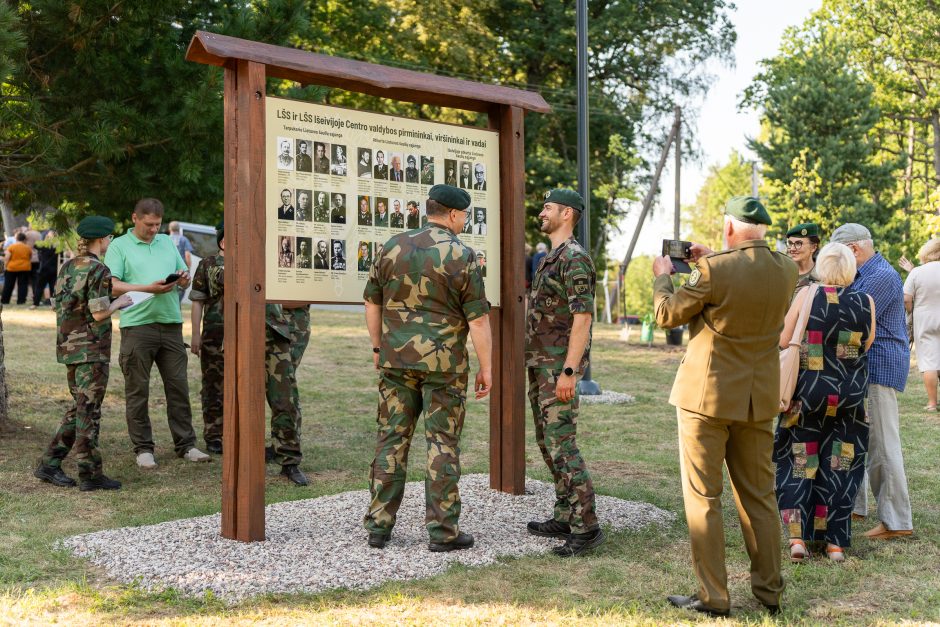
(310, 68)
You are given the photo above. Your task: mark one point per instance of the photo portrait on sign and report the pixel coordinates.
(479, 177)
(303, 162)
(285, 211)
(427, 170)
(285, 252)
(303, 212)
(321, 162)
(424, 214)
(338, 209)
(377, 249)
(411, 169)
(381, 212)
(479, 221)
(304, 261)
(321, 258)
(285, 153)
(364, 163)
(395, 172)
(364, 258)
(450, 172)
(380, 169)
(468, 223)
(321, 206)
(412, 219)
(338, 254)
(466, 179)
(396, 219)
(338, 167)
(364, 215)
(481, 261)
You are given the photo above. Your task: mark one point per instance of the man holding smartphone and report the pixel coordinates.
(142, 260)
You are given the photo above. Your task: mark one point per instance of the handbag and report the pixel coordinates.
(790, 356)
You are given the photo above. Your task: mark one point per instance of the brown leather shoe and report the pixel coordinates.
(881, 532)
(858, 516)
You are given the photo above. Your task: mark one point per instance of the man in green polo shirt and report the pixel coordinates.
(152, 332)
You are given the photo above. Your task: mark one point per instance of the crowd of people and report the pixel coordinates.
(30, 263)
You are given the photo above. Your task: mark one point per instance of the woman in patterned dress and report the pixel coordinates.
(821, 440)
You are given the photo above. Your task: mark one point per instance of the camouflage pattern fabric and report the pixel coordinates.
(403, 395)
(555, 430)
(805, 280)
(281, 388)
(430, 287)
(298, 322)
(82, 421)
(563, 286)
(208, 288)
(83, 287)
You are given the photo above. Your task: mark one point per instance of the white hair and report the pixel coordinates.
(747, 230)
(541, 247)
(835, 264)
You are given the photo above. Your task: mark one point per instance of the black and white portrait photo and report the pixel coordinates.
(466, 180)
(321, 207)
(321, 258)
(411, 169)
(338, 256)
(321, 162)
(479, 220)
(338, 209)
(427, 170)
(285, 153)
(285, 252)
(285, 210)
(450, 172)
(479, 177)
(304, 209)
(364, 163)
(338, 167)
(380, 170)
(303, 253)
(303, 161)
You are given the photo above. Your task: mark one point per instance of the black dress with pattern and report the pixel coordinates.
(820, 445)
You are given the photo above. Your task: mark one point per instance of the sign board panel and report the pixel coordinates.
(341, 182)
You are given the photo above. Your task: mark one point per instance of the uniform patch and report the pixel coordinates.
(694, 277)
(581, 285)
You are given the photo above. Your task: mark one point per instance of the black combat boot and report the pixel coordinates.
(379, 540)
(551, 528)
(462, 541)
(578, 543)
(53, 475)
(214, 447)
(295, 474)
(99, 483)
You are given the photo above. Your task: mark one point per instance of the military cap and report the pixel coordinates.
(450, 196)
(565, 196)
(747, 209)
(849, 233)
(411, 159)
(94, 227)
(807, 229)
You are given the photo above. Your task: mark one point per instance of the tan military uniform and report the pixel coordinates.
(727, 393)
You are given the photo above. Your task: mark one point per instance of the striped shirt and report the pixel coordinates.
(889, 359)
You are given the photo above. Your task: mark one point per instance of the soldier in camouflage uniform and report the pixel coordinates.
(424, 295)
(83, 315)
(281, 391)
(208, 333)
(558, 346)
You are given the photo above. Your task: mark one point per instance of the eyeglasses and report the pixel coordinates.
(794, 244)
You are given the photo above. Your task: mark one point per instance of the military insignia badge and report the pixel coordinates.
(581, 285)
(547, 194)
(694, 277)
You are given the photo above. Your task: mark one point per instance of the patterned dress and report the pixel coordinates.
(820, 445)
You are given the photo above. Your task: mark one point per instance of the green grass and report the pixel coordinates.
(631, 451)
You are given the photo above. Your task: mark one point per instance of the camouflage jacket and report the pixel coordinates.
(563, 286)
(430, 287)
(208, 287)
(275, 320)
(82, 288)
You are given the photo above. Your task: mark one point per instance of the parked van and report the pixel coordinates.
(202, 237)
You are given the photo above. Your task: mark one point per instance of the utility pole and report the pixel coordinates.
(587, 385)
(678, 127)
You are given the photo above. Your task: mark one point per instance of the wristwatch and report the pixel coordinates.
(568, 371)
(376, 350)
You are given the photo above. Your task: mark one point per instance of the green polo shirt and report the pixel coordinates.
(133, 261)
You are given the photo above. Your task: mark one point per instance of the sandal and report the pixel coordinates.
(930, 408)
(798, 551)
(835, 553)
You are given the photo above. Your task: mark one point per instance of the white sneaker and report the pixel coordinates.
(195, 455)
(146, 461)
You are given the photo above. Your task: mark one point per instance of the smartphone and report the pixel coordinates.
(172, 278)
(678, 250)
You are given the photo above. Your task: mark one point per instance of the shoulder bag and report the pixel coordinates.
(790, 356)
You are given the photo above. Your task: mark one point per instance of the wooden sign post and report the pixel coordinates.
(247, 66)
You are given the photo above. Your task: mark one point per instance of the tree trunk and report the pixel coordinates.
(935, 124)
(10, 221)
(3, 379)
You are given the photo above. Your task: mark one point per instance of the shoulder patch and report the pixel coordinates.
(581, 284)
(694, 277)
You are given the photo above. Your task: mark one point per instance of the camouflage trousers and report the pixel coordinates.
(555, 430)
(212, 363)
(298, 321)
(81, 423)
(403, 395)
(281, 389)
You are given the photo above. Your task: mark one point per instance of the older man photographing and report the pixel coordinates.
(142, 260)
(727, 393)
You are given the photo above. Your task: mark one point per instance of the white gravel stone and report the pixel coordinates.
(318, 544)
(606, 398)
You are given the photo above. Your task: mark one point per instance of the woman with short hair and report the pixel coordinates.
(922, 301)
(821, 440)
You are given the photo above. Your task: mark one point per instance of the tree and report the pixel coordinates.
(704, 218)
(819, 147)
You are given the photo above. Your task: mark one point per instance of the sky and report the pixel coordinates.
(719, 126)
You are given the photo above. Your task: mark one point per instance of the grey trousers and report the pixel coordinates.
(142, 347)
(885, 464)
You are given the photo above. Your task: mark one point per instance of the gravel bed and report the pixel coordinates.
(606, 398)
(318, 544)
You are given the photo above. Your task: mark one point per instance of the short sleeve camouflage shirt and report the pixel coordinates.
(82, 288)
(208, 287)
(563, 286)
(430, 287)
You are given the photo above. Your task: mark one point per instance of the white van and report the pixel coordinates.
(202, 237)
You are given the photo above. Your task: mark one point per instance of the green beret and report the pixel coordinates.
(450, 196)
(747, 209)
(807, 229)
(94, 227)
(565, 196)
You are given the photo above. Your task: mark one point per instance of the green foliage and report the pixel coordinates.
(704, 218)
(638, 286)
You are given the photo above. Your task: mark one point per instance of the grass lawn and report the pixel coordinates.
(631, 451)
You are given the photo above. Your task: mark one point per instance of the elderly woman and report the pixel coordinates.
(922, 301)
(803, 246)
(821, 440)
